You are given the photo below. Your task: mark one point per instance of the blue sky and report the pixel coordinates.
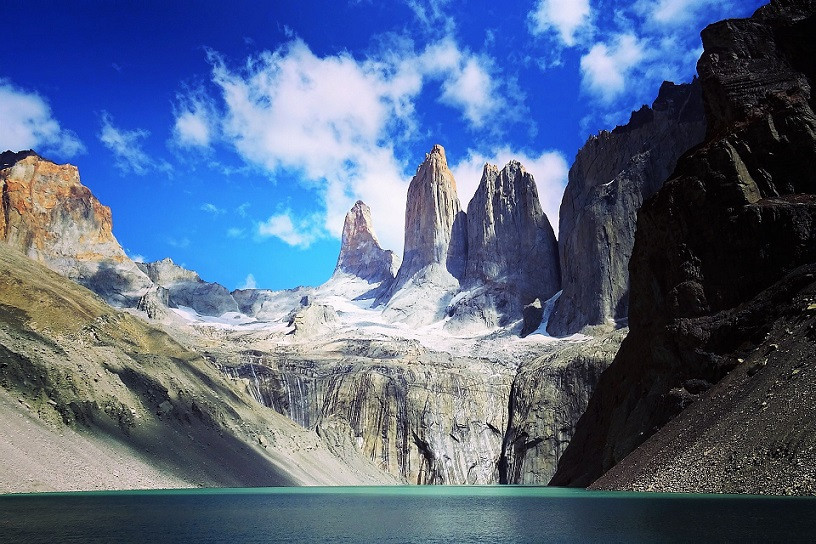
(233, 137)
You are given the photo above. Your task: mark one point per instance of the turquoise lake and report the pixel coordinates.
(402, 514)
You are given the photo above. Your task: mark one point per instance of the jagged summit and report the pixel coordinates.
(613, 173)
(435, 231)
(8, 157)
(435, 245)
(185, 287)
(50, 216)
(512, 252)
(166, 272)
(360, 252)
(722, 279)
(508, 234)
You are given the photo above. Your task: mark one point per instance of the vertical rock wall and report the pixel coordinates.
(612, 175)
(512, 251)
(738, 214)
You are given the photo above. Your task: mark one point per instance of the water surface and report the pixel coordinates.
(402, 514)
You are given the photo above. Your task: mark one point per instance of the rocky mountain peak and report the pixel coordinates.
(435, 245)
(360, 252)
(723, 253)
(511, 247)
(727, 78)
(165, 272)
(8, 157)
(435, 231)
(613, 173)
(50, 216)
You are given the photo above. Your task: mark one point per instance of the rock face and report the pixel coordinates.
(737, 216)
(425, 417)
(185, 288)
(313, 320)
(51, 217)
(612, 175)
(753, 432)
(360, 252)
(435, 225)
(75, 363)
(512, 252)
(435, 245)
(548, 396)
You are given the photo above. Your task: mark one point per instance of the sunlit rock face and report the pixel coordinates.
(435, 251)
(613, 173)
(549, 395)
(427, 417)
(512, 253)
(50, 216)
(360, 252)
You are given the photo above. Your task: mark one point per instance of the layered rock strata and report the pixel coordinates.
(52, 218)
(613, 173)
(548, 396)
(79, 378)
(426, 417)
(512, 254)
(737, 216)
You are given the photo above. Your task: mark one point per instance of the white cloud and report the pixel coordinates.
(471, 88)
(28, 123)
(137, 258)
(431, 14)
(195, 124)
(179, 242)
(676, 13)
(467, 79)
(242, 209)
(295, 232)
(605, 67)
(235, 232)
(126, 146)
(249, 283)
(334, 120)
(564, 17)
(549, 169)
(192, 129)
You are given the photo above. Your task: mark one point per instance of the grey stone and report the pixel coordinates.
(360, 252)
(435, 251)
(613, 173)
(512, 251)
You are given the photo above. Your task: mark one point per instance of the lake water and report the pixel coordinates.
(402, 514)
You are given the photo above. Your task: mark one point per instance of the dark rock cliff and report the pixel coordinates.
(612, 175)
(737, 215)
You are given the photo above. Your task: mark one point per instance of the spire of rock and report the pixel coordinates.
(509, 237)
(512, 251)
(435, 230)
(435, 245)
(360, 252)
